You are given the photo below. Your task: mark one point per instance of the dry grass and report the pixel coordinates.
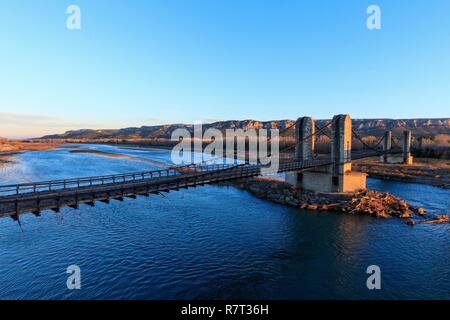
(15, 146)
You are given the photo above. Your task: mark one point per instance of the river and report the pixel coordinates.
(213, 242)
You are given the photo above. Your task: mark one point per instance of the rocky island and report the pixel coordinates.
(373, 203)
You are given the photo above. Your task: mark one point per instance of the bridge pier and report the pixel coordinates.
(337, 177)
(304, 147)
(407, 158)
(344, 179)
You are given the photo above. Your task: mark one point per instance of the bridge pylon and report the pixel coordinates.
(407, 157)
(304, 146)
(337, 177)
(305, 129)
(341, 144)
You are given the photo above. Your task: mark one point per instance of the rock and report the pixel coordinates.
(274, 198)
(373, 203)
(410, 222)
(406, 215)
(440, 218)
(402, 204)
(421, 211)
(382, 215)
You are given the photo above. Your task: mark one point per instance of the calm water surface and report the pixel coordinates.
(213, 243)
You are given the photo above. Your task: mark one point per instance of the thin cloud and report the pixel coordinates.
(34, 120)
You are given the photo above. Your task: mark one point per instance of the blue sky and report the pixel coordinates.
(149, 62)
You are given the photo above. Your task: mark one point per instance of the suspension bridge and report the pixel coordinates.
(304, 168)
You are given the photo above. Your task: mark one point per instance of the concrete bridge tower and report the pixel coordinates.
(337, 177)
(407, 158)
(341, 145)
(304, 146)
(343, 178)
(304, 139)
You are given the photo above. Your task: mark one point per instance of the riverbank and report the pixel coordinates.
(8, 149)
(373, 203)
(434, 172)
(6, 159)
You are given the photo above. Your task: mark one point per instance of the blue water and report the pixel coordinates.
(213, 243)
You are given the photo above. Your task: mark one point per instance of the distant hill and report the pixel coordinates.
(419, 127)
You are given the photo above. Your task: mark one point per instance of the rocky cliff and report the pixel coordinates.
(420, 127)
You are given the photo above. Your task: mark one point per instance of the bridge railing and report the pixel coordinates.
(64, 184)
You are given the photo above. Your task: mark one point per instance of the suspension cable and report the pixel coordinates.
(313, 134)
(364, 143)
(394, 142)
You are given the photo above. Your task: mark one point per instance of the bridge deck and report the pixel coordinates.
(56, 194)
